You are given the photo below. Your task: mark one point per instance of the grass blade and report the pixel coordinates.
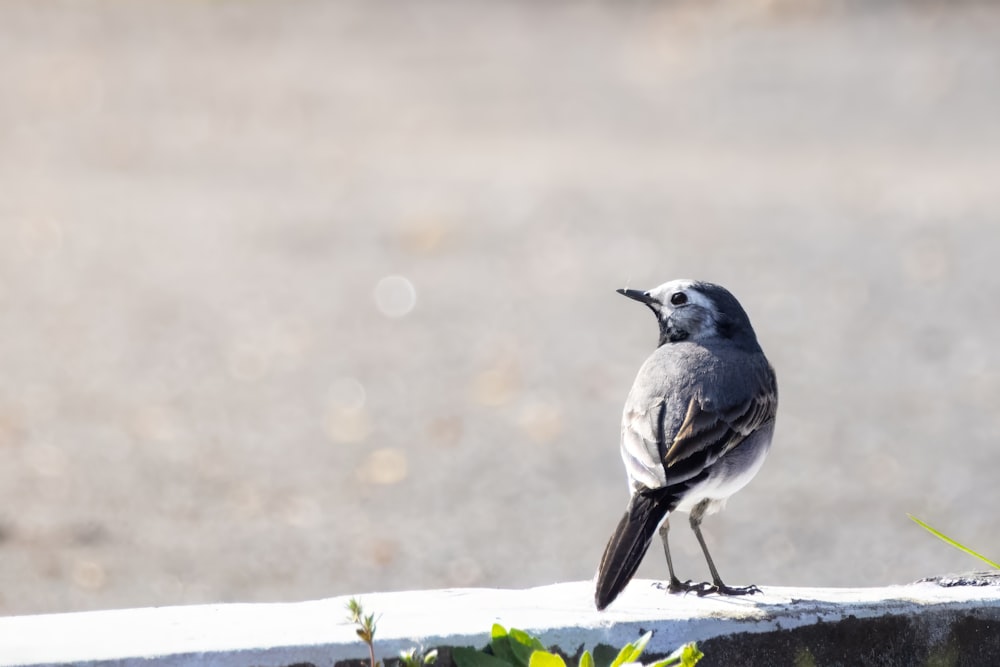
(961, 547)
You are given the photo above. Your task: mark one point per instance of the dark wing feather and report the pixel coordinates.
(714, 431)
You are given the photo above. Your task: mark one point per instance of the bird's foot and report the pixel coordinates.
(722, 589)
(678, 586)
(703, 588)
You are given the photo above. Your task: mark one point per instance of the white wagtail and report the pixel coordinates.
(695, 429)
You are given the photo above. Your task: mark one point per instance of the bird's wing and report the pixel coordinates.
(713, 430)
(643, 444)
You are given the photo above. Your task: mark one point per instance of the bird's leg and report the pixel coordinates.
(676, 585)
(697, 514)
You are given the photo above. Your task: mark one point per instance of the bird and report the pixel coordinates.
(696, 428)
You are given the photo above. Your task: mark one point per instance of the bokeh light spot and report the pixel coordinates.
(395, 296)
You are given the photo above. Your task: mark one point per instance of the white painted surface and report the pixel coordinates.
(561, 614)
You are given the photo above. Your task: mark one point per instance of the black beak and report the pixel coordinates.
(638, 295)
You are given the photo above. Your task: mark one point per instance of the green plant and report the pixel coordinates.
(366, 626)
(416, 658)
(517, 648)
(961, 547)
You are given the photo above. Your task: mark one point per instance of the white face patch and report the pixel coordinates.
(696, 314)
(664, 292)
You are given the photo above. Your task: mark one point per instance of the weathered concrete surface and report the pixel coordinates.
(894, 625)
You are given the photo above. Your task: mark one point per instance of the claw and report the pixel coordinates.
(722, 589)
(677, 586)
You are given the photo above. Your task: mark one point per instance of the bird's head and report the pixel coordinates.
(696, 311)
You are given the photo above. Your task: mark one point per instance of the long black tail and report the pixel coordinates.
(629, 543)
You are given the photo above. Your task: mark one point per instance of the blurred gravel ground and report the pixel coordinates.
(214, 389)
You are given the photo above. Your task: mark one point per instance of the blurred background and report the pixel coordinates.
(301, 299)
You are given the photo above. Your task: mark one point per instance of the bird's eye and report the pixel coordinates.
(678, 298)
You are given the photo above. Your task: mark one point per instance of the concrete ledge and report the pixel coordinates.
(959, 624)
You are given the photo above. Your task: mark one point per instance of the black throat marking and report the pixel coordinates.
(671, 334)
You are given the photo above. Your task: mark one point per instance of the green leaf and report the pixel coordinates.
(686, 656)
(960, 547)
(690, 655)
(546, 659)
(640, 645)
(604, 655)
(470, 657)
(631, 652)
(521, 653)
(500, 643)
(666, 662)
(522, 637)
(586, 660)
(523, 645)
(623, 655)
(354, 610)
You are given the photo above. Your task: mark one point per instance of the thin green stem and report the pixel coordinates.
(961, 547)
